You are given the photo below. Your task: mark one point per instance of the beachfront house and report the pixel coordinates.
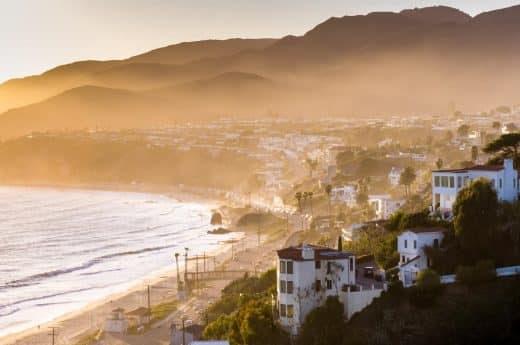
(116, 322)
(412, 258)
(139, 317)
(447, 183)
(306, 276)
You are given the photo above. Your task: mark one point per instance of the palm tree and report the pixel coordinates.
(407, 178)
(177, 264)
(298, 197)
(328, 190)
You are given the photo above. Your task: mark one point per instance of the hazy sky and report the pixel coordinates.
(36, 35)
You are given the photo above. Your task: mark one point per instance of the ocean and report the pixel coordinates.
(61, 249)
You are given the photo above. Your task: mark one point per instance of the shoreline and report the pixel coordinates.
(126, 298)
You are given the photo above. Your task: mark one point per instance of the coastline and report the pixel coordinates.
(87, 318)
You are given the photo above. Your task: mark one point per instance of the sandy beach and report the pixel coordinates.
(71, 327)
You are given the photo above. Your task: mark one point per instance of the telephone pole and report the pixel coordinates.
(149, 305)
(53, 334)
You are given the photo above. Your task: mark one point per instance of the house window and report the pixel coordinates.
(436, 243)
(351, 264)
(428, 262)
(403, 259)
(459, 181)
(317, 264)
(452, 181)
(283, 286)
(329, 284)
(318, 285)
(290, 311)
(289, 287)
(500, 183)
(289, 267)
(437, 180)
(282, 267)
(328, 268)
(444, 181)
(283, 310)
(406, 243)
(414, 244)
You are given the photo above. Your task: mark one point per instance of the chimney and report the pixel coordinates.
(508, 164)
(307, 252)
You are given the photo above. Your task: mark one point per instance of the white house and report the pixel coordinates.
(384, 205)
(116, 322)
(410, 245)
(344, 194)
(306, 276)
(394, 176)
(447, 183)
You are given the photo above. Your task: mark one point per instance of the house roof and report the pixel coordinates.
(410, 261)
(473, 168)
(320, 253)
(422, 230)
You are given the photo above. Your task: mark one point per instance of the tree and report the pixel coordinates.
(311, 194)
(340, 243)
(407, 178)
(449, 136)
(474, 153)
(439, 163)
(496, 125)
(328, 191)
(463, 130)
(312, 164)
(361, 199)
(475, 219)
(386, 253)
(324, 325)
(428, 280)
(507, 146)
(298, 196)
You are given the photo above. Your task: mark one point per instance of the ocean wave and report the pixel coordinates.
(33, 279)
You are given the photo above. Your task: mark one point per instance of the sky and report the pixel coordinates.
(36, 35)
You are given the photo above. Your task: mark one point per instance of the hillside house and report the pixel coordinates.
(306, 276)
(447, 183)
(412, 258)
(384, 206)
(394, 176)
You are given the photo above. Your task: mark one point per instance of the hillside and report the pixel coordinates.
(487, 313)
(413, 62)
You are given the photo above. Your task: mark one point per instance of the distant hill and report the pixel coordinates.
(84, 107)
(413, 62)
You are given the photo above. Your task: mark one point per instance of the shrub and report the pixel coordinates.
(428, 280)
(483, 271)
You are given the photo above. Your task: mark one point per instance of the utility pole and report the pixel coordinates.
(53, 334)
(149, 306)
(258, 232)
(183, 333)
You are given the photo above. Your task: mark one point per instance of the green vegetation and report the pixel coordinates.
(488, 313)
(162, 310)
(324, 325)
(90, 339)
(507, 146)
(244, 314)
(482, 271)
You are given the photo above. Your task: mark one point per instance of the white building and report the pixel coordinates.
(344, 194)
(394, 176)
(410, 245)
(306, 276)
(384, 205)
(447, 183)
(116, 322)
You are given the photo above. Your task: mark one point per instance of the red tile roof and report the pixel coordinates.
(320, 253)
